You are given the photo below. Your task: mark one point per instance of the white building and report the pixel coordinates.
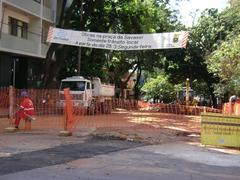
(23, 32)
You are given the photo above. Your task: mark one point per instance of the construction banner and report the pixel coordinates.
(118, 41)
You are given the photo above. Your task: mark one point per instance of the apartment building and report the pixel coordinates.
(23, 32)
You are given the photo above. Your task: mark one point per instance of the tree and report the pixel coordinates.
(224, 61)
(57, 53)
(145, 17)
(115, 16)
(225, 64)
(205, 37)
(159, 89)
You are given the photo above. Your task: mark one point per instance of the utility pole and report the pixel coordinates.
(80, 49)
(187, 91)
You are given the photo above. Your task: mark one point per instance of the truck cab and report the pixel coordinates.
(80, 89)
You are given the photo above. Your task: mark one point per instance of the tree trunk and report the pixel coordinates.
(51, 63)
(136, 86)
(124, 84)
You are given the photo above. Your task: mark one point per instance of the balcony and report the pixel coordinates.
(32, 7)
(22, 46)
(48, 14)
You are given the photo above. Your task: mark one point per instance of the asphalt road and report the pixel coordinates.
(98, 159)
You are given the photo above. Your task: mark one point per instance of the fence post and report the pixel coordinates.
(11, 110)
(11, 104)
(187, 91)
(68, 120)
(204, 109)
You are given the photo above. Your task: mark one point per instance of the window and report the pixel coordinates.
(38, 1)
(73, 85)
(18, 28)
(44, 33)
(88, 85)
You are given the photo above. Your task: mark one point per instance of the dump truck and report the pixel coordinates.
(84, 91)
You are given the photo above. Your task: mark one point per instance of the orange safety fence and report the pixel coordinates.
(237, 108)
(52, 112)
(4, 96)
(142, 104)
(49, 115)
(4, 101)
(227, 108)
(45, 100)
(231, 108)
(181, 109)
(54, 115)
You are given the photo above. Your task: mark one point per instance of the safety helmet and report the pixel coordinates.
(24, 94)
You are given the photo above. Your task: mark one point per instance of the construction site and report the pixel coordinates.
(79, 135)
(110, 90)
(129, 119)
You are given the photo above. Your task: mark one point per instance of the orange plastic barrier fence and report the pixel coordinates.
(4, 97)
(237, 108)
(4, 101)
(143, 104)
(51, 112)
(231, 108)
(181, 109)
(227, 108)
(70, 120)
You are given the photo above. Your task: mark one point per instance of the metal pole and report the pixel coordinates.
(79, 61)
(80, 49)
(187, 91)
(11, 104)
(14, 72)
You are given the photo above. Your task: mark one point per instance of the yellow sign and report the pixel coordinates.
(220, 130)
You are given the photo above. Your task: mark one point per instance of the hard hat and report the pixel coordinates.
(24, 94)
(233, 98)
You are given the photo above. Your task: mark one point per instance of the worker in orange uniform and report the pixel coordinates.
(232, 100)
(26, 109)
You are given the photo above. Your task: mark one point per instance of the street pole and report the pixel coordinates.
(187, 91)
(14, 72)
(80, 49)
(11, 104)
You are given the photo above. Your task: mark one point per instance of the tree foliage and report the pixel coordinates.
(224, 61)
(225, 64)
(141, 16)
(160, 89)
(112, 16)
(206, 36)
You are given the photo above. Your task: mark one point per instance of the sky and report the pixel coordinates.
(187, 8)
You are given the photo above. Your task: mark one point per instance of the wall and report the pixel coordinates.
(34, 28)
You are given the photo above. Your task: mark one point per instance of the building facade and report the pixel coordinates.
(23, 33)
